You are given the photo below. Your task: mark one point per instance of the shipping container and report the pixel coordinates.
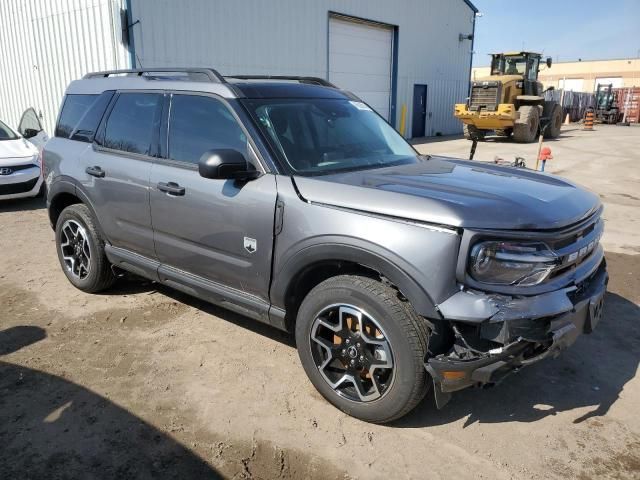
(628, 101)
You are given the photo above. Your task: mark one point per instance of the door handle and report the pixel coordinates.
(95, 171)
(172, 188)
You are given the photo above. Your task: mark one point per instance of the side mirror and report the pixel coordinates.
(30, 133)
(224, 163)
(549, 62)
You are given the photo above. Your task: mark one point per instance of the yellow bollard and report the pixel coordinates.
(403, 118)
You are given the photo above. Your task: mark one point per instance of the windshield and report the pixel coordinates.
(6, 133)
(512, 65)
(320, 136)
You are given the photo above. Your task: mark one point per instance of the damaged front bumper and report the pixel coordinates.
(514, 333)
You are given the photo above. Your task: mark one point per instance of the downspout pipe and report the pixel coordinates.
(473, 39)
(132, 44)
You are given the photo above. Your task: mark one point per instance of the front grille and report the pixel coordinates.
(14, 188)
(17, 168)
(576, 245)
(484, 97)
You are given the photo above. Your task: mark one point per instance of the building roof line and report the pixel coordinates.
(581, 61)
(471, 6)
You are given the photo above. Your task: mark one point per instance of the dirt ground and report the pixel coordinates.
(144, 382)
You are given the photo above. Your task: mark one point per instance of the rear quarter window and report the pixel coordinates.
(73, 109)
(86, 128)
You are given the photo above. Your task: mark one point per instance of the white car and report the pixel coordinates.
(21, 160)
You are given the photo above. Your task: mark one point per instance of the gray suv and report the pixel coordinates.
(290, 201)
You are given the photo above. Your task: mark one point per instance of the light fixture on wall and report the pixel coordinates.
(462, 37)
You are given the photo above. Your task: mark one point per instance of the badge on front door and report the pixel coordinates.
(250, 244)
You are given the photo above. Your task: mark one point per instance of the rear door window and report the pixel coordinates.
(197, 124)
(131, 125)
(74, 107)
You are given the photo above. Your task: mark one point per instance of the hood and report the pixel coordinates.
(456, 193)
(16, 149)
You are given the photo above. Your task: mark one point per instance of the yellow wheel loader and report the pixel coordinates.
(510, 101)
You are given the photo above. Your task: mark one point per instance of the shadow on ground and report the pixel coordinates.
(53, 428)
(22, 204)
(592, 373)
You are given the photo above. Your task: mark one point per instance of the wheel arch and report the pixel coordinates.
(522, 100)
(63, 193)
(312, 265)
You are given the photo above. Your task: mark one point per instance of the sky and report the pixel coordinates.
(563, 29)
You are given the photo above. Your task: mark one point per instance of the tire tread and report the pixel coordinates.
(414, 328)
(104, 277)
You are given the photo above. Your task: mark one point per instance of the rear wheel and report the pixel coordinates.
(471, 132)
(555, 123)
(526, 127)
(81, 250)
(363, 348)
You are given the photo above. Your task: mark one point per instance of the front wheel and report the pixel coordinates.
(363, 348)
(471, 132)
(526, 127)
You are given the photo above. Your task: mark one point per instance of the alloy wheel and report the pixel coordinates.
(75, 248)
(352, 353)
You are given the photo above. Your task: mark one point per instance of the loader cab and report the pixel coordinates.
(522, 64)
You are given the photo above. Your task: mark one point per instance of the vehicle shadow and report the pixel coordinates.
(131, 284)
(592, 373)
(53, 428)
(22, 204)
(14, 338)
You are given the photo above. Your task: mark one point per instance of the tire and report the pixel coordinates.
(471, 132)
(526, 127)
(555, 123)
(403, 337)
(74, 224)
(505, 133)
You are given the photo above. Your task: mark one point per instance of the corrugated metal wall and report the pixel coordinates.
(48, 43)
(291, 37)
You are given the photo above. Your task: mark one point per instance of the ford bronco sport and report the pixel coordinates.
(292, 202)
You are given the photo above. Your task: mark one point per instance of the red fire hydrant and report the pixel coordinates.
(545, 154)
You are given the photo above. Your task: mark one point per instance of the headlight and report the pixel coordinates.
(509, 263)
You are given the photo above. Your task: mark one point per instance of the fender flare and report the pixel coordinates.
(385, 263)
(69, 185)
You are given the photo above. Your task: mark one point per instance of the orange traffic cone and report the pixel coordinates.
(588, 121)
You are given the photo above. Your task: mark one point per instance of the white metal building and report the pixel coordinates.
(406, 58)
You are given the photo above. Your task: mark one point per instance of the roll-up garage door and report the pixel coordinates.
(360, 59)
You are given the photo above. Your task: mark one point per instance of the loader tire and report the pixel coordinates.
(504, 133)
(471, 132)
(526, 127)
(555, 123)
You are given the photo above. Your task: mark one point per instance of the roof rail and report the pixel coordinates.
(311, 80)
(211, 74)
